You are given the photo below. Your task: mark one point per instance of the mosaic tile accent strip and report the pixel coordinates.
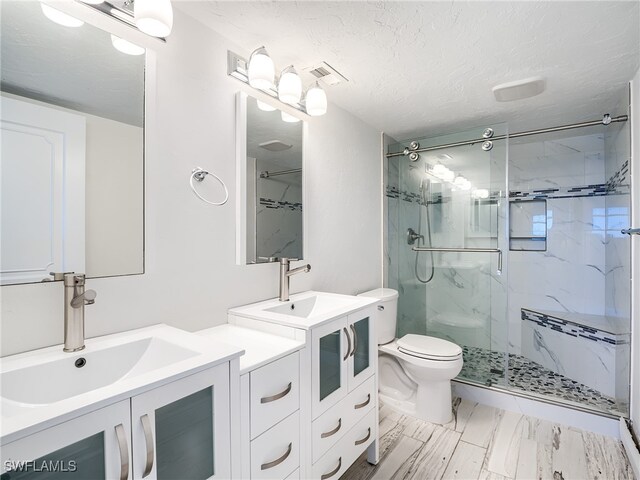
(268, 203)
(572, 329)
(618, 180)
(485, 366)
(411, 197)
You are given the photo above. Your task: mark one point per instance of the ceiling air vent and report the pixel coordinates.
(326, 73)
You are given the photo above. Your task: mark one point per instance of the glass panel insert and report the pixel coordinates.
(184, 438)
(330, 363)
(80, 460)
(361, 355)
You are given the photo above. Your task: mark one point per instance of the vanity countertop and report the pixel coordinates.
(46, 387)
(304, 310)
(260, 348)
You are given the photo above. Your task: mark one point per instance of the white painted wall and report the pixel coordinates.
(191, 278)
(635, 252)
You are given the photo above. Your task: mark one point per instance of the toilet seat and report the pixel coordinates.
(429, 348)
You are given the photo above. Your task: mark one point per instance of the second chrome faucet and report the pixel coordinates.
(286, 273)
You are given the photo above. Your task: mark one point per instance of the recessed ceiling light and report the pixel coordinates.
(520, 89)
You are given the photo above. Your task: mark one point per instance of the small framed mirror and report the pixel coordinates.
(269, 156)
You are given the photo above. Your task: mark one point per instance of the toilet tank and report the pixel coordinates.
(387, 312)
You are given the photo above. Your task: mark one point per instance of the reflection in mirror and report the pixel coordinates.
(273, 184)
(72, 149)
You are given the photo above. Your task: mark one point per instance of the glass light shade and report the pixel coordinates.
(289, 118)
(265, 107)
(93, 2)
(443, 173)
(316, 101)
(125, 46)
(261, 70)
(290, 86)
(462, 183)
(60, 18)
(153, 17)
(481, 193)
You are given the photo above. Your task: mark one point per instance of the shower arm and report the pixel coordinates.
(463, 250)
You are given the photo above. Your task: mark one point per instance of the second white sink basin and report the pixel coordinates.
(303, 310)
(88, 370)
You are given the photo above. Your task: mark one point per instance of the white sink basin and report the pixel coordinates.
(303, 310)
(40, 386)
(314, 306)
(52, 381)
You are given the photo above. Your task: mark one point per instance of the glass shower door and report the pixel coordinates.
(451, 212)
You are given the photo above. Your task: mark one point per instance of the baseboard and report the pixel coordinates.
(630, 446)
(527, 406)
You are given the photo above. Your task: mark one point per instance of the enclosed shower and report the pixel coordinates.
(511, 246)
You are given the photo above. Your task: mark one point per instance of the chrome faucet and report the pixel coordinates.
(75, 298)
(285, 274)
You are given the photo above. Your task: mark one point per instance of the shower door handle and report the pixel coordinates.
(631, 231)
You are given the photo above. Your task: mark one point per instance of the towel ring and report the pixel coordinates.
(199, 174)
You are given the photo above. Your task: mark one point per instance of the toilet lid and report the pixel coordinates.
(429, 347)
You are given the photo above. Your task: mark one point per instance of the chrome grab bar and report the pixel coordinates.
(148, 440)
(124, 452)
(277, 461)
(631, 231)
(463, 250)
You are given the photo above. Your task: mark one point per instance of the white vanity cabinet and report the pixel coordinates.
(343, 355)
(177, 430)
(338, 376)
(94, 445)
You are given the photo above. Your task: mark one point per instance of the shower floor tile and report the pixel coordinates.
(487, 367)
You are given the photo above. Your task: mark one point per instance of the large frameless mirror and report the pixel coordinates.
(72, 160)
(270, 198)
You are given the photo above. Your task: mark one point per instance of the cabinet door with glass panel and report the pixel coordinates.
(182, 430)
(363, 341)
(95, 446)
(330, 347)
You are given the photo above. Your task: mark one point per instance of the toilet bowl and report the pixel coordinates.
(415, 371)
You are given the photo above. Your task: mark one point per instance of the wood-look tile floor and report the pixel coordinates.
(485, 443)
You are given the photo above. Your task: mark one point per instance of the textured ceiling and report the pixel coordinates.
(76, 68)
(424, 68)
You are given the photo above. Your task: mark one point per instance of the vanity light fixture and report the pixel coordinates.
(153, 17)
(462, 183)
(261, 71)
(443, 173)
(125, 46)
(480, 193)
(290, 86)
(265, 107)
(93, 2)
(288, 118)
(316, 101)
(60, 18)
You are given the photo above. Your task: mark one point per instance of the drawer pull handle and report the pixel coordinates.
(277, 396)
(124, 452)
(277, 461)
(148, 440)
(332, 472)
(355, 339)
(360, 442)
(346, 332)
(332, 432)
(363, 404)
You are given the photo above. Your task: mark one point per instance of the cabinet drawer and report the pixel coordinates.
(276, 453)
(347, 450)
(274, 393)
(335, 422)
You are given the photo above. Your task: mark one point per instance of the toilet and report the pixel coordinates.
(415, 371)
